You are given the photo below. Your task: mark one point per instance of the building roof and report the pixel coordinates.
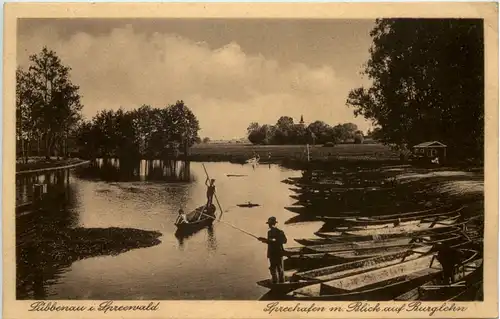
(430, 144)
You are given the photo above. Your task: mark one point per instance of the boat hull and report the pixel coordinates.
(194, 222)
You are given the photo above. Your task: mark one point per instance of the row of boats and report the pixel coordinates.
(380, 261)
(364, 254)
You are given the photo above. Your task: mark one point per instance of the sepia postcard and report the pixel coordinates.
(225, 160)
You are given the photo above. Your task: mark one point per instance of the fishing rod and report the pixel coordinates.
(221, 221)
(215, 194)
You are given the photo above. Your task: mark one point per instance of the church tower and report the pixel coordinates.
(301, 120)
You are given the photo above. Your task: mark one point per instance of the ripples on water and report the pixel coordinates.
(215, 263)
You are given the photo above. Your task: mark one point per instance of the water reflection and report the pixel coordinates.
(211, 240)
(35, 269)
(116, 170)
(145, 197)
(183, 235)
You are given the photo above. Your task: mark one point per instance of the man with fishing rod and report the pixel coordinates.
(275, 240)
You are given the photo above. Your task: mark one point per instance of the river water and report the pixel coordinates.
(216, 263)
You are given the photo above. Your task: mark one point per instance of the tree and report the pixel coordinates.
(320, 130)
(146, 121)
(252, 127)
(256, 137)
(284, 123)
(262, 135)
(104, 133)
(428, 83)
(183, 125)
(54, 101)
(343, 132)
(358, 137)
(127, 148)
(206, 140)
(25, 122)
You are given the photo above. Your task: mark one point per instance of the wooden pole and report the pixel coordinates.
(215, 194)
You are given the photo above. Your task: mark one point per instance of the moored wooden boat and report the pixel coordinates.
(298, 252)
(195, 221)
(285, 287)
(365, 223)
(373, 219)
(328, 246)
(436, 233)
(360, 266)
(356, 279)
(351, 255)
(389, 232)
(469, 272)
(383, 283)
(377, 291)
(311, 277)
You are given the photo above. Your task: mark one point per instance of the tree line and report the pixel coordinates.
(285, 131)
(49, 120)
(428, 84)
(145, 132)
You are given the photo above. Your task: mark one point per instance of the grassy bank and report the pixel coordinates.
(239, 153)
(43, 252)
(38, 163)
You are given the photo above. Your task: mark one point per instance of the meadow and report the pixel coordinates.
(276, 153)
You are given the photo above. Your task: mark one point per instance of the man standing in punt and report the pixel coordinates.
(275, 240)
(210, 191)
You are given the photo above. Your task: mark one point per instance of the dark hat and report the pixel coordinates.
(272, 221)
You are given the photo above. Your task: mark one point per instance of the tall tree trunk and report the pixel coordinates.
(38, 145)
(23, 152)
(66, 155)
(47, 147)
(27, 153)
(49, 144)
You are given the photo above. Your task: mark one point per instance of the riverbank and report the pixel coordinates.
(37, 165)
(294, 156)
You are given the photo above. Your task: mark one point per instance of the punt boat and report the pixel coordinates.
(197, 219)
(379, 284)
(310, 277)
(469, 272)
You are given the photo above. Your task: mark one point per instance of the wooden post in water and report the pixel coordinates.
(308, 154)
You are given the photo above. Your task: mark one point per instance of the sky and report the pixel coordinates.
(229, 72)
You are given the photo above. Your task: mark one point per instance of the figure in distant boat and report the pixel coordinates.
(210, 191)
(256, 156)
(449, 259)
(275, 252)
(181, 218)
